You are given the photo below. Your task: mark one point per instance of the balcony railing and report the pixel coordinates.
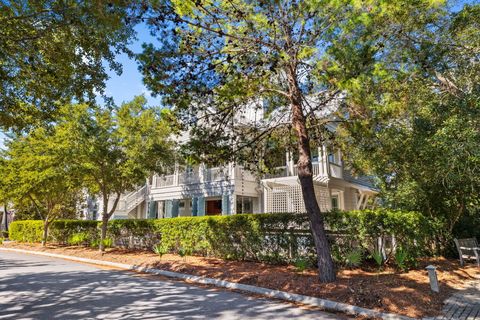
(165, 181)
(216, 174)
(198, 175)
(278, 172)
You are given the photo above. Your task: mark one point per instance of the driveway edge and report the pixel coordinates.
(327, 305)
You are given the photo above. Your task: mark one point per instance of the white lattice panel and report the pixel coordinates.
(290, 199)
(296, 196)
(323, 198)
(279, 201)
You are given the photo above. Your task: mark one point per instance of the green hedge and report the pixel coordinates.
(26, 231)
(60, 231)
(411, 231)
(260, 237)
(275, 238)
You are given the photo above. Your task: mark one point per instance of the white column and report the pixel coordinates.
(161, 205)
(231, 171)
(265, 193)
(320, 161)
(324, 160)
(233, 203)
(201, 172)
(175, 175)
(287, 163)
(292, 164)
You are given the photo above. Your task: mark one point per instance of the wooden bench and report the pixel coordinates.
(468, 249)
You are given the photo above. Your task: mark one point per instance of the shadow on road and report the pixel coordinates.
(116, 294)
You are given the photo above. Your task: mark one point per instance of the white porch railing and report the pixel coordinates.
(201, 175)
(317, 167)
(164, 181)
(216, 174)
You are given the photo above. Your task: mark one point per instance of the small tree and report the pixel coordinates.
(36, 174)
(116, 149)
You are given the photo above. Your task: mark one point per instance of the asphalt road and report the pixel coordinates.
(36, 287)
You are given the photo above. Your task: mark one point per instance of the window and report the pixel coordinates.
(334, 156)
(335, 202)
(244, 204)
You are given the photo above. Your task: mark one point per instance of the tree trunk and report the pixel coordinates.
(326, 268)
(105, 218)
(4, 222)
(45, 233)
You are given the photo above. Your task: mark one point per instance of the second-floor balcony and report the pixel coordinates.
(194, 175)
(333, 170)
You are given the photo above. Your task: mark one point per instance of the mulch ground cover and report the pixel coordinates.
(386, 290)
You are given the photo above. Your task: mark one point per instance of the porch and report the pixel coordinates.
(225, 204)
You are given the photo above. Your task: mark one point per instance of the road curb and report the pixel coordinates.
(327, 305)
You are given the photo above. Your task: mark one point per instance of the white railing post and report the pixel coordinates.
(175, 175)
(324, 160)
(231, 171)
(320, 161)
(291, 165)
(201, 172)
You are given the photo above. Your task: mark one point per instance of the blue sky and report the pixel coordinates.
(129, 84)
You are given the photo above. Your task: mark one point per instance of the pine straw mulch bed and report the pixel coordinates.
(402, 293)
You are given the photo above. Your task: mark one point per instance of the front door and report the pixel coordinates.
(213, 207)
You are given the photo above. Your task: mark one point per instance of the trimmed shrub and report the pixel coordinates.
(26, 231)
(79, 239)
(133, 233)
(61, 231)
(366, 228)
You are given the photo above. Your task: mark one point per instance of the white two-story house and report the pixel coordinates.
(230, 189)
(200, 191)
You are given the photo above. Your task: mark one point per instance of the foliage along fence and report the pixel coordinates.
(273, 238)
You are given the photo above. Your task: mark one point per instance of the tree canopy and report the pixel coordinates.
(37, 174)
(54, 51)
(116, 149)
(104, 151)
(417, 123)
